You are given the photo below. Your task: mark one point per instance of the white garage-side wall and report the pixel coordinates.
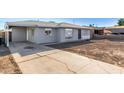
(62, 37)
(19, 34)
(41, 37)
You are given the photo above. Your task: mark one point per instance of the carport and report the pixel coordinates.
(16, 34)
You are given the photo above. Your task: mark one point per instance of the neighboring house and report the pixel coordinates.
(99, 30)
(46, 32)
(116, 30)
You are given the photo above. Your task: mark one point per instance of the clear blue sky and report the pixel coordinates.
(100, 22)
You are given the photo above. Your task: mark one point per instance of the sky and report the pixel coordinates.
(100, 22)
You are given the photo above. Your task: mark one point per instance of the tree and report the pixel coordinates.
(121, 22)
(52, 21)
(91, 25)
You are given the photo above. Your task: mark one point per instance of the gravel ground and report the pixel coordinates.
(7, 64)
(110, 51)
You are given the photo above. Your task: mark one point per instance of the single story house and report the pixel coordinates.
(45, 32)
(116, 30)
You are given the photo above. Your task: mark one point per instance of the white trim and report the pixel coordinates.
(7, 38)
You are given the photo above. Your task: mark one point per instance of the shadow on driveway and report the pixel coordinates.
(70, 44)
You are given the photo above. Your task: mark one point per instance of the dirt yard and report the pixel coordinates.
(7, 64)
(110, 51)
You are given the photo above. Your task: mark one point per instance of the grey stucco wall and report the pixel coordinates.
(58, 35)
(41, 37)
(30, 36)
(18, 34)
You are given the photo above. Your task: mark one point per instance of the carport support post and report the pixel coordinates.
(7, 38)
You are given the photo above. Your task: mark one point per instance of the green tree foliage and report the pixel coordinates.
(91, 25)
(121, 22)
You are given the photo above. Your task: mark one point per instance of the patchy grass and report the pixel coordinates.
(7, 64)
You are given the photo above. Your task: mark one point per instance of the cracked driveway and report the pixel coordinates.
(39, 59)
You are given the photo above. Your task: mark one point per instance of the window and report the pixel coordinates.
(48, 31)
(98, 32)
(68, 33)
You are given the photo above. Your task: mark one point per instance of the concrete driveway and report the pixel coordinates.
(39, 59)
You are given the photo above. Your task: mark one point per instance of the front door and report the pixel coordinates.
(79, 33)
